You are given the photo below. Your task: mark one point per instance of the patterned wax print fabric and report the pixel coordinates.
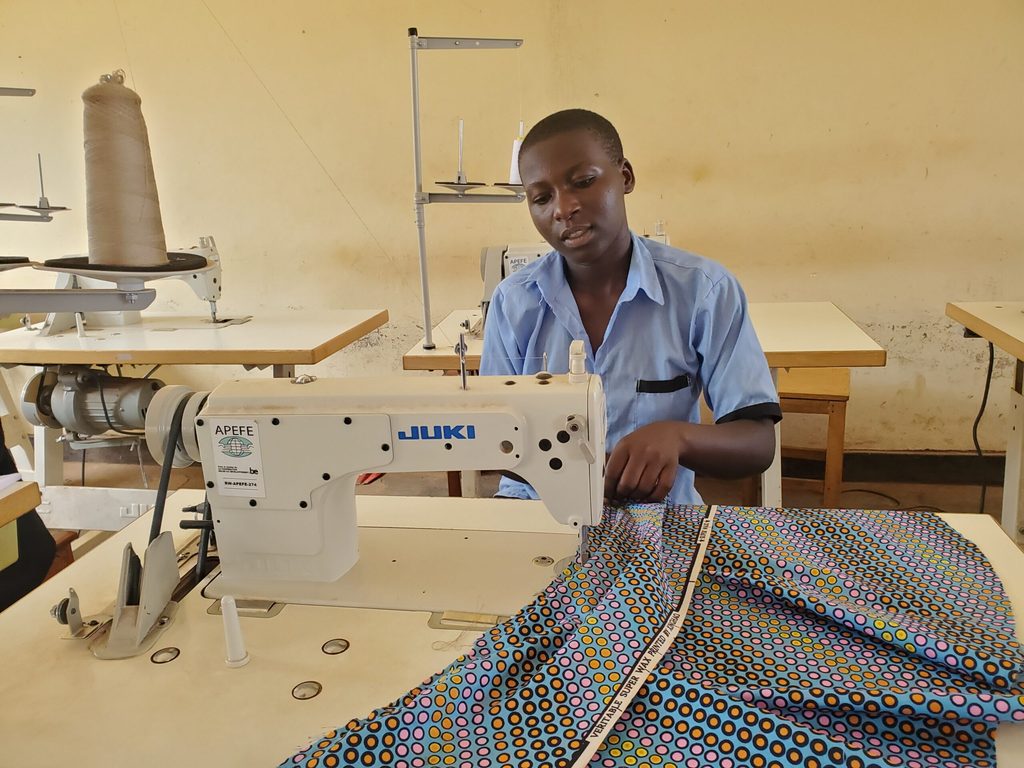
(815, 638)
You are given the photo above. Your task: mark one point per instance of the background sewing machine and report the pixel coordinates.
(83, 297)
(280, 460)
(96, 378)
(499, 261)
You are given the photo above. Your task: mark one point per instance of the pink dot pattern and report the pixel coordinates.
(816, 638)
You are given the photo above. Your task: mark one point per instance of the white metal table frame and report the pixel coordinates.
(1002, 324)
(792, 334)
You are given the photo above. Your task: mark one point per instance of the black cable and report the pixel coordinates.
(896, 502)
(83, 468)
(165, 471)
(106, 415)
(886, 496)
(977, 421)
(152, 370)
(204, 539)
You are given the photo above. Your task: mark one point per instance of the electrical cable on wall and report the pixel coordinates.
(977, 421)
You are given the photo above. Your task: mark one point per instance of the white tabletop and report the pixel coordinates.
(58, 701)
(1001, 322)
(294, 338)
(793, 335)
(812, 334)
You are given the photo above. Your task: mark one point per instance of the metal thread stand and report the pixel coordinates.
(421, 198)
(41, 212)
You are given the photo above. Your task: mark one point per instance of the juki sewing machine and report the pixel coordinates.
(280, 459)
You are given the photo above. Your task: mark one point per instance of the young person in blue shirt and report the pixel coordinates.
(660, 325)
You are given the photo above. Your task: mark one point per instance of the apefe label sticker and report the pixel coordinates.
(237, 456)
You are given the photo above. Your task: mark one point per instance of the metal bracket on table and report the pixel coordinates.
(74, 300)
(144, 607)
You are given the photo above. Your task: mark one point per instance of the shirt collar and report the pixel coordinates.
(550, 277)
(642, 274)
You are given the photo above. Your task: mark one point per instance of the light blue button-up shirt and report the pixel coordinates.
(680, 328)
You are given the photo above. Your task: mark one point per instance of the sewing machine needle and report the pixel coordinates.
(584, 544)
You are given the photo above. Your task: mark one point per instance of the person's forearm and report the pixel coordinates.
(733, 449)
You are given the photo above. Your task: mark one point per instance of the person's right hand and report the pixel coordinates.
(642, 466)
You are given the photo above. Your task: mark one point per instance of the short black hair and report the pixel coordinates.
(574, 120)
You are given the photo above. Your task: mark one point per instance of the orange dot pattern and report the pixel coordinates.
(815, 638)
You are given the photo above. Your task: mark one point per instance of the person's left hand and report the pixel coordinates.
(642, 466)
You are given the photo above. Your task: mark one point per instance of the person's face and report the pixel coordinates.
(575, 193)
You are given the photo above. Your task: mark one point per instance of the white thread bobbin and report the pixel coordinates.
(122, 206)
(513, 168)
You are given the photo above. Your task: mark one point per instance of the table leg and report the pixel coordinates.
(471, 483)
(284, 371)
(16, 429)
(454, 483)
(1013, 478)
(49, 458)
(771, 480)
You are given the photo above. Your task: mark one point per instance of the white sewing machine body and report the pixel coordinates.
(280, 460)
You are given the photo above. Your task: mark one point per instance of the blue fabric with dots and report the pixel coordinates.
(815, 638)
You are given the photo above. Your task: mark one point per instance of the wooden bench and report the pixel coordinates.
(821, 391)
(15, 501)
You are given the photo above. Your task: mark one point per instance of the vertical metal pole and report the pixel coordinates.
(418, 197)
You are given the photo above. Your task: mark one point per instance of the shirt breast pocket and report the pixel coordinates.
(663, 400)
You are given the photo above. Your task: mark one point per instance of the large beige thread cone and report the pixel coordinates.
(122, 206)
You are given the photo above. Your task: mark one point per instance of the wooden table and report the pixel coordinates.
(281, 340)
(793, 335)
(1002, 323)
(60, 702)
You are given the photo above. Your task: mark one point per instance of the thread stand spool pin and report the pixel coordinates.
(236, 655)
(461, 185)
(460, 177)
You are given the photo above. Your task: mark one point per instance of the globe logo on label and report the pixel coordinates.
(236, 447)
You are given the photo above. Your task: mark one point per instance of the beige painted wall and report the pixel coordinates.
(868, 153)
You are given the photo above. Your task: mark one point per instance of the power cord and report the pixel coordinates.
(977, 421)
(885, 496)
(106, 414)
(896, 502)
